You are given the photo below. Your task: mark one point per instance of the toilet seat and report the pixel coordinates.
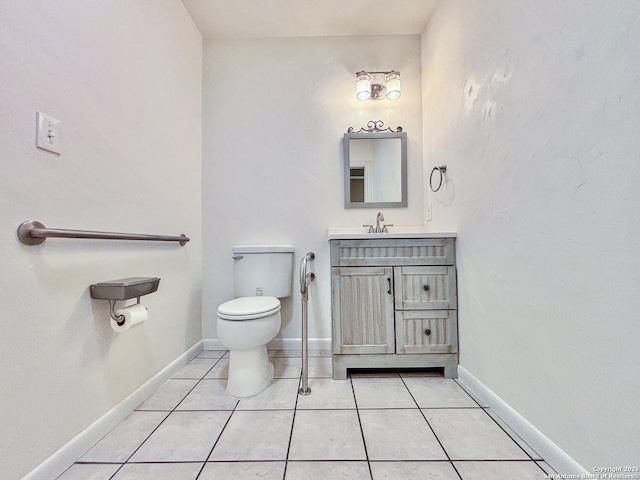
(248, 308)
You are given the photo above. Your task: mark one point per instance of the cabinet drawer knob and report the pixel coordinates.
(426, 288)
(427, 332)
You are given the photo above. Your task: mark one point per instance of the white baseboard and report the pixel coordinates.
(549, 451)
(276, 344)
(66, 456)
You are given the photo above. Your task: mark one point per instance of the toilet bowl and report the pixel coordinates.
(245, 325)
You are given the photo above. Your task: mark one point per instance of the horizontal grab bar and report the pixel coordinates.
(34, 233)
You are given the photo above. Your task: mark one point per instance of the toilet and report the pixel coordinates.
(261, 274)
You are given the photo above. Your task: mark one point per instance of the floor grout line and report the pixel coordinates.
(163, 420)
(168, 415)
(216, 442)
(486, 410)
(364, 442)
(293, 422)
(431, 428)
(326, 460)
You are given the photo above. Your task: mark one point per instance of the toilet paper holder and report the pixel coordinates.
(123, 289)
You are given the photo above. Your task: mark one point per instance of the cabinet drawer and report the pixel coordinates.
(428, 331)
(420, 251)
(418, 288)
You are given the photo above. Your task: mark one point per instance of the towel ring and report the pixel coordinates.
(442, 169)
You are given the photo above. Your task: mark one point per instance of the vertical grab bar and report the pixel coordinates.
(305, 280)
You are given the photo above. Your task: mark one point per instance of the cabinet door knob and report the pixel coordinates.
(389, 291)
(427, 332)
(426, 288)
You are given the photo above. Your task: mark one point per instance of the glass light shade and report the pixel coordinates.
(393, 85)
(363, 86)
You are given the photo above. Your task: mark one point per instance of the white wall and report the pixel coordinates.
(124, 79)
(275, 111)
(535, 108)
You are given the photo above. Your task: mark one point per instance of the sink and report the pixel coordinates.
(355, 233)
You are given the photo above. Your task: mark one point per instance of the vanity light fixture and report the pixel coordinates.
(378, 85)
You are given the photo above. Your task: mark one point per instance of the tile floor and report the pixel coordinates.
(372, 426)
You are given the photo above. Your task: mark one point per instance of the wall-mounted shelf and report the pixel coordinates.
(125, 288)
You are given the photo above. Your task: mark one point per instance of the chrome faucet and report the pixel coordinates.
(378, 228)
(379, 217)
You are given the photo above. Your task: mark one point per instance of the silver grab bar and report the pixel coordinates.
(33, 232)
(305, 279)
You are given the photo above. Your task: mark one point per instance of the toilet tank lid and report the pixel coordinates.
(249, 306)
(263, 249)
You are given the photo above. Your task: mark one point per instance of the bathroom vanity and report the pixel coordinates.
(394, 301)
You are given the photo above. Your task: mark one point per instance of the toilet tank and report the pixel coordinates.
(262, 270)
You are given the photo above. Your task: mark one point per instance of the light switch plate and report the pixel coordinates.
(428, 212)
(47, 133)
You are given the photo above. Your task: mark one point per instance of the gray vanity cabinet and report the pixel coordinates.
(394, 304)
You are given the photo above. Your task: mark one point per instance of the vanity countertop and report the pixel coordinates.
(358, 233)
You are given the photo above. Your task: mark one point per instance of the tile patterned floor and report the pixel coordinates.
(372, 426)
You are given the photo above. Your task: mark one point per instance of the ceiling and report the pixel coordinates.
(306, 18)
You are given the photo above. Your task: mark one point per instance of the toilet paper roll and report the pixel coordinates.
(133, 316)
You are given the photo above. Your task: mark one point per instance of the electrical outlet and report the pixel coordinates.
(427, 212)
(47, 133)
(259, 292)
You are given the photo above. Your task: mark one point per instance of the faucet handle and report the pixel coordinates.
(370, 228)
(384, 228)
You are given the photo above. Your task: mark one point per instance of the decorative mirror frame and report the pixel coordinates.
(375, 130)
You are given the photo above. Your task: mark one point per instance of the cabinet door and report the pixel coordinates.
(419, 288)
(427, 331)
(362, 310)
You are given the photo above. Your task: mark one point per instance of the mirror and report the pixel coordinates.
(375, 169)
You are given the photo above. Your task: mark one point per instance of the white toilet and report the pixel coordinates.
(245, 325)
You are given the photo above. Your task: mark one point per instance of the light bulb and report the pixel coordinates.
(363, 86)
(393, 85)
